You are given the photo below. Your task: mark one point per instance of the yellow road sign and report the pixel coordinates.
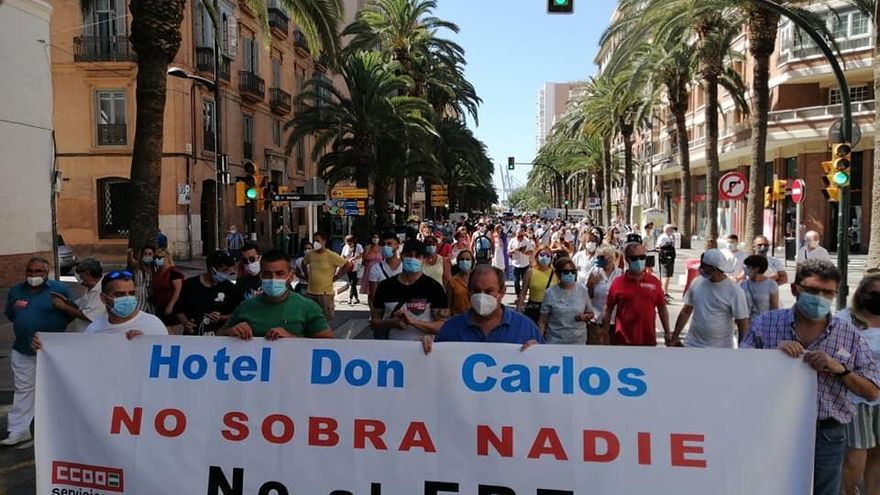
(349, 193)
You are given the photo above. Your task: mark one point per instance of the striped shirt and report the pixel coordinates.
(840, 340)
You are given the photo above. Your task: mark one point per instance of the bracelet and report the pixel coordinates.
(843, 373)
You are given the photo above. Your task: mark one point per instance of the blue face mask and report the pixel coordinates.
(159, 262)
(387, 252)
(813, 307)
(568, 278)
(544, 260)
(124, 306)
(465, 265)
(274, 287)
(637, 266)
(412, 265)
(219, 277)
(600, 262)
(430, 250)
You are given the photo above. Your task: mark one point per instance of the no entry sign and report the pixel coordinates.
(797, 190)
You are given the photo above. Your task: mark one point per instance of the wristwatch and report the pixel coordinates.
(843, 373)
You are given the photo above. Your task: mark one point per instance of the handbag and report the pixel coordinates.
(532, 309)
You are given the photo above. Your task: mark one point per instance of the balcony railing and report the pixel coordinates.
(205, 62)
(278, 22)
(279, 101)
(248, 150)
(810, 50)
(103, 49)
(112, 134)
(299, 40)
(818, 113)
(251, 86)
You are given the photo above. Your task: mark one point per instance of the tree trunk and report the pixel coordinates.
(608, 170)
(679, 107)
(600, 192)
(763, 26)
(712, 165)
(874, 243)
(627, 132)
(380, 199)
(155, 37)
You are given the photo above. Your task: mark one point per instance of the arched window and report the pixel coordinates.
(114, 213)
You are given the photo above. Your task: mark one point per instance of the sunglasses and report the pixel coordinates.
(569, 272)
(124, 274)
(762, 245)
(637, 258)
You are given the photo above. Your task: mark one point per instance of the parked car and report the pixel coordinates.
(66, 257)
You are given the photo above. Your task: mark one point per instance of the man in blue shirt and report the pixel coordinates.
(488, 320)
(35, 305)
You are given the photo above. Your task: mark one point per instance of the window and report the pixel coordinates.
(251, 53)
(105, 19)
(276, 72)
(839, 26)
(247, 125)
(111, 130)
(856, 93)
(114, 213)
(853, 24)
(208, 125)
(300, 157)
(322, 94)
(276, 132)
(858, 24)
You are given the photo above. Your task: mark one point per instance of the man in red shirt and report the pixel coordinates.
(638, 298)
(443, 247)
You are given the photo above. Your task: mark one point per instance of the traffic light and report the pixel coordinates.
(779, 189)
(250, 193)
(841, 157)
(567, 202)
(831, 192)
(560, 6)
(259, 191)
(240, 193)
(511, 163)
(768, 199)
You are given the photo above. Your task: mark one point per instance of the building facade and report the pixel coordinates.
(804, 104)
(94, 72)
(553, 101)
(25, 137)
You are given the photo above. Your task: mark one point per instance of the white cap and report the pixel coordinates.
(717, 259)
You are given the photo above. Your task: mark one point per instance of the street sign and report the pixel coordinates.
(797, 190)
(835, 137)
(733, 186)
(595, 203)
(349, 193)
(297, 197)
(354, 208)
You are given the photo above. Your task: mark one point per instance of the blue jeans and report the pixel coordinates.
(830, 448)
(518, 275)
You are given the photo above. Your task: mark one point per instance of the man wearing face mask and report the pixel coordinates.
(390, 266)
(716, 303)
(811, 249)
(638, 298)
(35, 305)
(775, 268)
(89, 273)
(248, 279)
(322, 266)
(733, 252)
(520, 250)
(488, 320)
(410, 305)
(277, 312)
(831, 346)
(122, 316)
(207, 300)
(583, 259)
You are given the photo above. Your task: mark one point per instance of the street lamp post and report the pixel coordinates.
(214, 87)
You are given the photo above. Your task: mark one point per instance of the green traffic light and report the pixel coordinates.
(560, 3)
(251, 193)
(841, 178)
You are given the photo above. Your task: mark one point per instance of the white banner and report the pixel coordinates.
(172, 415)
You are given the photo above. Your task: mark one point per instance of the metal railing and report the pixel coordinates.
(299, 40)
(278, 20)
(251, 85)
(810, 50)
(279, 100)
(112, 134)
(205, 62)
(819, 112)
(103, 49)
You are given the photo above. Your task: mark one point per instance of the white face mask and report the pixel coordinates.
(590, 247)
(813, 244)
(35, 281)
(253, 268)
(317, 245)
(484, 304)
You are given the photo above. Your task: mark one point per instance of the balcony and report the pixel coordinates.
(248, 150)
(103, 49)
(205, 62)
(278, 22)
(818, 113)
(279, 101)
(810, 50)
(251, 86)
(112, 134)
(299, 42)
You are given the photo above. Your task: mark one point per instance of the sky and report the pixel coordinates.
(512, 48)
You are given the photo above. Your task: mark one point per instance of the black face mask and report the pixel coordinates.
(872, 303)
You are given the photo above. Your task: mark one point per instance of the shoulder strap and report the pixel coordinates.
(382, 267)
(549, 279)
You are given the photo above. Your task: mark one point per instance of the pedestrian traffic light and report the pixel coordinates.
(831, 192)
(511, 163)
(768, 199)
(841, 156)
(779, 186)
(567, 202)
(560, 6)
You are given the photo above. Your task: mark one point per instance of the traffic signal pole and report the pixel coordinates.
(845, 137)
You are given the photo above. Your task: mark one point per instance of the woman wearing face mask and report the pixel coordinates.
(499, 256)
(566, 308)
(583, 259)
(167, 284)
(434, 265)
(762, 294)
(372, 256)
(353, 252)
(457, 285)
(142, 270)
(535, 282)
(602, 273)
(862, 459)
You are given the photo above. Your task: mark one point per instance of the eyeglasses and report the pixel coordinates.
(119, 274)
(641, 257)
(816, 291)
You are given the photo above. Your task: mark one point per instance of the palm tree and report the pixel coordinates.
(368, 125)
(156, 38)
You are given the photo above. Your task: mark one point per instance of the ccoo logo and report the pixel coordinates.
(87, 476)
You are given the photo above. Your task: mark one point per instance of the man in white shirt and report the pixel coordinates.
(775, 268)
(738, 256)
(89, 272)
(811, 249)
(520, 250)
(716, 303)
(390, 266)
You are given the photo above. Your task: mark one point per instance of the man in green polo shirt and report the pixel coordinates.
(277, 312)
